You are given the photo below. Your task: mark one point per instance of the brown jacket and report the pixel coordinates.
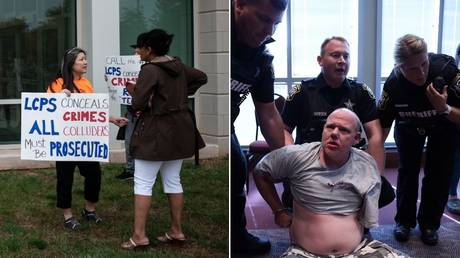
(165, 130)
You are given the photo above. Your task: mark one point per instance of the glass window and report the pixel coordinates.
(451, 27)
(245, 124)
(279, 49)
(312, 22)
(33, 34)
(419, 17)
(174, 16)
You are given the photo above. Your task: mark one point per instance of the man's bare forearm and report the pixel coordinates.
(267, 190)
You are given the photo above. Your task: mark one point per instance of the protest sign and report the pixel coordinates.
(62, 128)
(118, 71)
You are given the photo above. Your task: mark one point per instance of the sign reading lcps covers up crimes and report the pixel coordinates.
(57, 127)
(118, 71)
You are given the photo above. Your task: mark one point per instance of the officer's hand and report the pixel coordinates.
(283, 219)
(439, 101)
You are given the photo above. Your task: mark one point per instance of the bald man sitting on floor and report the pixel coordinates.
(335, 188)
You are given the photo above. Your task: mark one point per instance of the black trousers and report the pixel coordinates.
(237, 194)
(91, 171)
(440, 149)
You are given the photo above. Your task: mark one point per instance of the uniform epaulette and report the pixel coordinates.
(363, 86)
(354, 82)
(309, 82)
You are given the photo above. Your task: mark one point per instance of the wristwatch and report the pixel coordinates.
(447, 111)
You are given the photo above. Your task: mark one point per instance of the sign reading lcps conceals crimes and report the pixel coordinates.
(57, 127)
(118, 71)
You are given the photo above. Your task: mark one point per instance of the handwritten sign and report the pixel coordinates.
(57, 127)
(118, 71)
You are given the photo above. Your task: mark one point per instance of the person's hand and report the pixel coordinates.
(67, 92)
(283, 218)
(439, 101)
(118, 120)
(130, 85)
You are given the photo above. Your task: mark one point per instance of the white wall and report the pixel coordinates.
(98, 32)
(211, 26)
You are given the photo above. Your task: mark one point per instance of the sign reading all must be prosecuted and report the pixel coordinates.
(58, 127)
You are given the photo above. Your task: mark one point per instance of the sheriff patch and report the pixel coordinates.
(369, 92)
(383, 102)
(295, 89)
(456, 85)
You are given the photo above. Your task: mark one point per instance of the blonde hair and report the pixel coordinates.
(407, 46)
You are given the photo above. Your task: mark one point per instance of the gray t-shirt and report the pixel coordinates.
(354, 187)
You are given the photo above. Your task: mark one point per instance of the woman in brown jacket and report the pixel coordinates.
(165, 132)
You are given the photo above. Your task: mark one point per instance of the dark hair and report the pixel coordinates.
(65, 71)
(158, 40)
(326, 41)
(140, 40)
(279, 5)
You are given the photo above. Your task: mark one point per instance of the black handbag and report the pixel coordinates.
(121, 133)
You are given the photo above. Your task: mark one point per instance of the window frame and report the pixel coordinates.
(367, 24)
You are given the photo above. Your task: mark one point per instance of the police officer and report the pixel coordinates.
(253, 23)
(421, 112)
(309, 104)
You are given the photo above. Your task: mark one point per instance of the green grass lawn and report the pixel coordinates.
(32, 226)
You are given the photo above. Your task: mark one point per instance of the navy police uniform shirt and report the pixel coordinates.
(407, 102)
(252, 72)
(310, 103)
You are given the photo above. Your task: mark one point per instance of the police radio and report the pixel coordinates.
(439, 83)
(445, 72)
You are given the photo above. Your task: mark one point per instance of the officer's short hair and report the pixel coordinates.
(326, 41)
(279, 5)
(407, 46)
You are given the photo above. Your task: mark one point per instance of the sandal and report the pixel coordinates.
(131, 245)
(167, 238)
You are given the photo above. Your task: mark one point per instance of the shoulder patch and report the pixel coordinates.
(383, 102)
(456, 85)
(369, 92)
(294, 90)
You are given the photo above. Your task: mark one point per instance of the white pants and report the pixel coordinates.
(146, 171)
